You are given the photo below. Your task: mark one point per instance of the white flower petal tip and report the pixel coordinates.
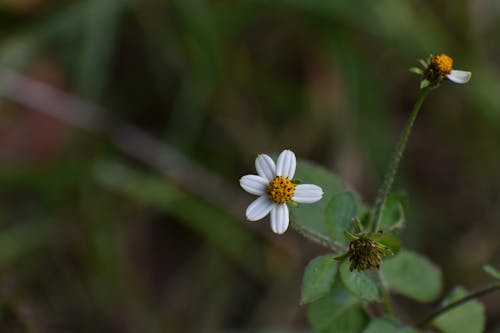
(254, 184)
(307, 193)
(259, 208)
(279, 219)
(286, 164)
(265, 167)
(459, 76)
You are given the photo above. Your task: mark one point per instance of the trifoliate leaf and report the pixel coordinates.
(318, 278)
(412, 275)
(466, 318)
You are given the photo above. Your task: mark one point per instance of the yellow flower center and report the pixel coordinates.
(280, 190)
(442, 63)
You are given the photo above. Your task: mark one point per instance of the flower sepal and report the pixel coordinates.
(350, 236)
(364, 252)
(342, 257)
(416, 70)
(425, 83)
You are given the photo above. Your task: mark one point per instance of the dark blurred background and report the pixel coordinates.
(125, 125)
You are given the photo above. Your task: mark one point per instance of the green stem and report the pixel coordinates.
(318, 238)
(396, 158)
(385, 295)
(481, 292)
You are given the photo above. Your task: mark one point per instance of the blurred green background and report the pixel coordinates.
(104, 230)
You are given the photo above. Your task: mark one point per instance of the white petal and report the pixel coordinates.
(254, 184)
(286, 164)
(307, 193)
(279, 218)
(259, 208)
(265, 166)
(459, 76)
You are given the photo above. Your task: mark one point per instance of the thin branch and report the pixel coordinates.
(385, 190)
(478, 293)
(386, 300)
(318, 238)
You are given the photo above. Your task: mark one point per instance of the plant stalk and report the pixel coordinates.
(386, 300)
(478, 293)
(318, 238)
(396, 158)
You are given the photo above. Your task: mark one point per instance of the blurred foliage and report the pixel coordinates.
(92, 241)
(387, 326)
(413, 275)
(467, 318)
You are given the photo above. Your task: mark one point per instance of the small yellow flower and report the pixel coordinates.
(438, 68)
(443, 65)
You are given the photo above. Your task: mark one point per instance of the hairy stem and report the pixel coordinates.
(478, 293)
(386, 300)
(317, 238)
(396, 158)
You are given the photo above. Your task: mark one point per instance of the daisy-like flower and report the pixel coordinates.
(275, 187)
(443, 65)
(438, 68)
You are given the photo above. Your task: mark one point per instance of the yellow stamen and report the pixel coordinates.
(280, 190)
(442, 64)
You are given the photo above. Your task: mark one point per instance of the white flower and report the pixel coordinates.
(458, 76)
(275, 189)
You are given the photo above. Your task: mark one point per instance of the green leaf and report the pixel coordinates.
(313, 217)
(387, 326)
(492, 271)
(416, 70)
(338, 312)
(391, 242)
(412, 275)
(393, 213)
(466, 318)
(318, 278)
(424, 83)
(360, 284)
(339, 214)
(423, 63)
